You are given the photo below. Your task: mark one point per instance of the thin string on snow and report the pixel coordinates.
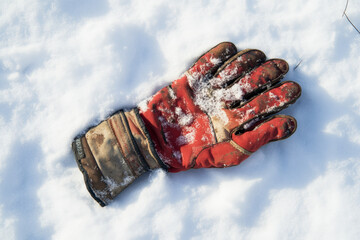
(344, 14)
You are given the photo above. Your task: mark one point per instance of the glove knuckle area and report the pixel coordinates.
(263, 105)
(255, 82)
(237, 66)
(270, 72)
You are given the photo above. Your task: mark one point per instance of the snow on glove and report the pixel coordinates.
(216, 115)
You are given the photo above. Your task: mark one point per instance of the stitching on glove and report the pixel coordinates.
(212, 127)
(241, 149)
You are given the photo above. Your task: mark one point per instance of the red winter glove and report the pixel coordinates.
(215, 115)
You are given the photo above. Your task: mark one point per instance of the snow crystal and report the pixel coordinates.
(210, 101)
(187, 138)
(204, 139)
(247, 86)
(177, 156)
(274, 107)
(112, 184)
(143, 105)
(171, 93)
(215, 61)
(273, 96)
(227, 74)
(183, 119)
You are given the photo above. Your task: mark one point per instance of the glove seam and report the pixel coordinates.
(149, 140)
(239, 148)
(132, 141)
(212, 127)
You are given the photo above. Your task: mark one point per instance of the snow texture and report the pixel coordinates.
(65, 65)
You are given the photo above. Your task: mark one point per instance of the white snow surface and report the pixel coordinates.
(65, 65)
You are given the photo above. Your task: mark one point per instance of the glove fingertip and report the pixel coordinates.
(287, 126)
(282, 65)
(213, 58)
(225, 50)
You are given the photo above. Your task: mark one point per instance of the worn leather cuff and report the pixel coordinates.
(113, 154)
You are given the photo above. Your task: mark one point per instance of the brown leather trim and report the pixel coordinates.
(141, 140)
(239, 148)
(93, 177)
(148, 139)
(133, 142)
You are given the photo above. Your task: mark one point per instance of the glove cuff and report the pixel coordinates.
(113, 154)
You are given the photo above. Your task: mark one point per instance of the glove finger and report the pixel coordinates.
(209, 62)
(237, 66)
(265, 104)
(262, 77)
(276, 128)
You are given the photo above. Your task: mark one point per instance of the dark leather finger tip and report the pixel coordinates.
(287, 128)
(282, 65)
(224, 50)
(290, 126)
(293, 90)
